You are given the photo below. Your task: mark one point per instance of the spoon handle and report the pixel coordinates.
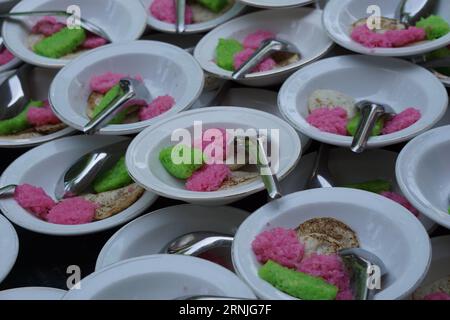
(204, 245)
(370, 115)
(261, 53)
(181, 9)
(7, 189)
(268, 177)
(33, 13)
(108, 113)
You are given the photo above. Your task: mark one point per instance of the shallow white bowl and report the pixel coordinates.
(9, 247)
(162, 26)
(159, 277)
(151, 233)
(395, 82)
(300, 26)
(383, 227)
(166, 69)
(423, 173)
(40, 80)
(42, 167)
(272, 4)
(440, 261)
(32, 293)
(347, 167)
(258, 99)
(122, 20)
(143, 153)
(339, 15)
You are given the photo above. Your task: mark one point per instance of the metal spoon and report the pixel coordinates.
(321, 176)
(7, 189)
(196, 243)
(365, 269)
(370, 113)
(181, 11)
(266, 48)
(80, 175)
(133, 91)
(411, 11)
(89, 26)
(15, 92)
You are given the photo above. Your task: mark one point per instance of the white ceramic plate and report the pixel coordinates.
(40, 80)
(42, 167)
(143, 154)
(395, 82)
(383, 227)
(300, 26)
(423, 173)
(9, 247)
(258, 99)
(272, 4)
(162, 26)
(158, 277)
(32, 293)
(440, 261)
(122, 20)
(166, 69)
(151, 233)
(347, 168)
(339, 15)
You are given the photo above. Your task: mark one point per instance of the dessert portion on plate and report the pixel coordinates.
(36, 120)
(438, 290)
(197, 11)
(53, 39)
(105, 90)
(384, 188)
(5, 56)
(394, 34)
(304, 262)
(203, 166)
(334, 112)
(231, 53)
(113, 191)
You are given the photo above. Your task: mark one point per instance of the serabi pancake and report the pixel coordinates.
(115, 201)
(441, 285)
(326, 236)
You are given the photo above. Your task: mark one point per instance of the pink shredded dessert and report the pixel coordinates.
(437, 296)
(241, 57)
(389, 39)
(214, 144)
(42, 116)
(72, 211)
(5, 56)
(157, 107)
(49, 25)
(401, 121)
(332, 120)
(254, 40)
(279, 245)
(104, 82)
(401, 200)
(165, 10)
(331, 269)
(34, 199)
(209, 178)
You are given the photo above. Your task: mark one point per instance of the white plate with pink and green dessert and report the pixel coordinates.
(353, 24)
(112, 199)
(9, 246)
(88, 85)
(317, 102)
(289, 248)
(49, 42)
(200, 15)
(225, 48)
